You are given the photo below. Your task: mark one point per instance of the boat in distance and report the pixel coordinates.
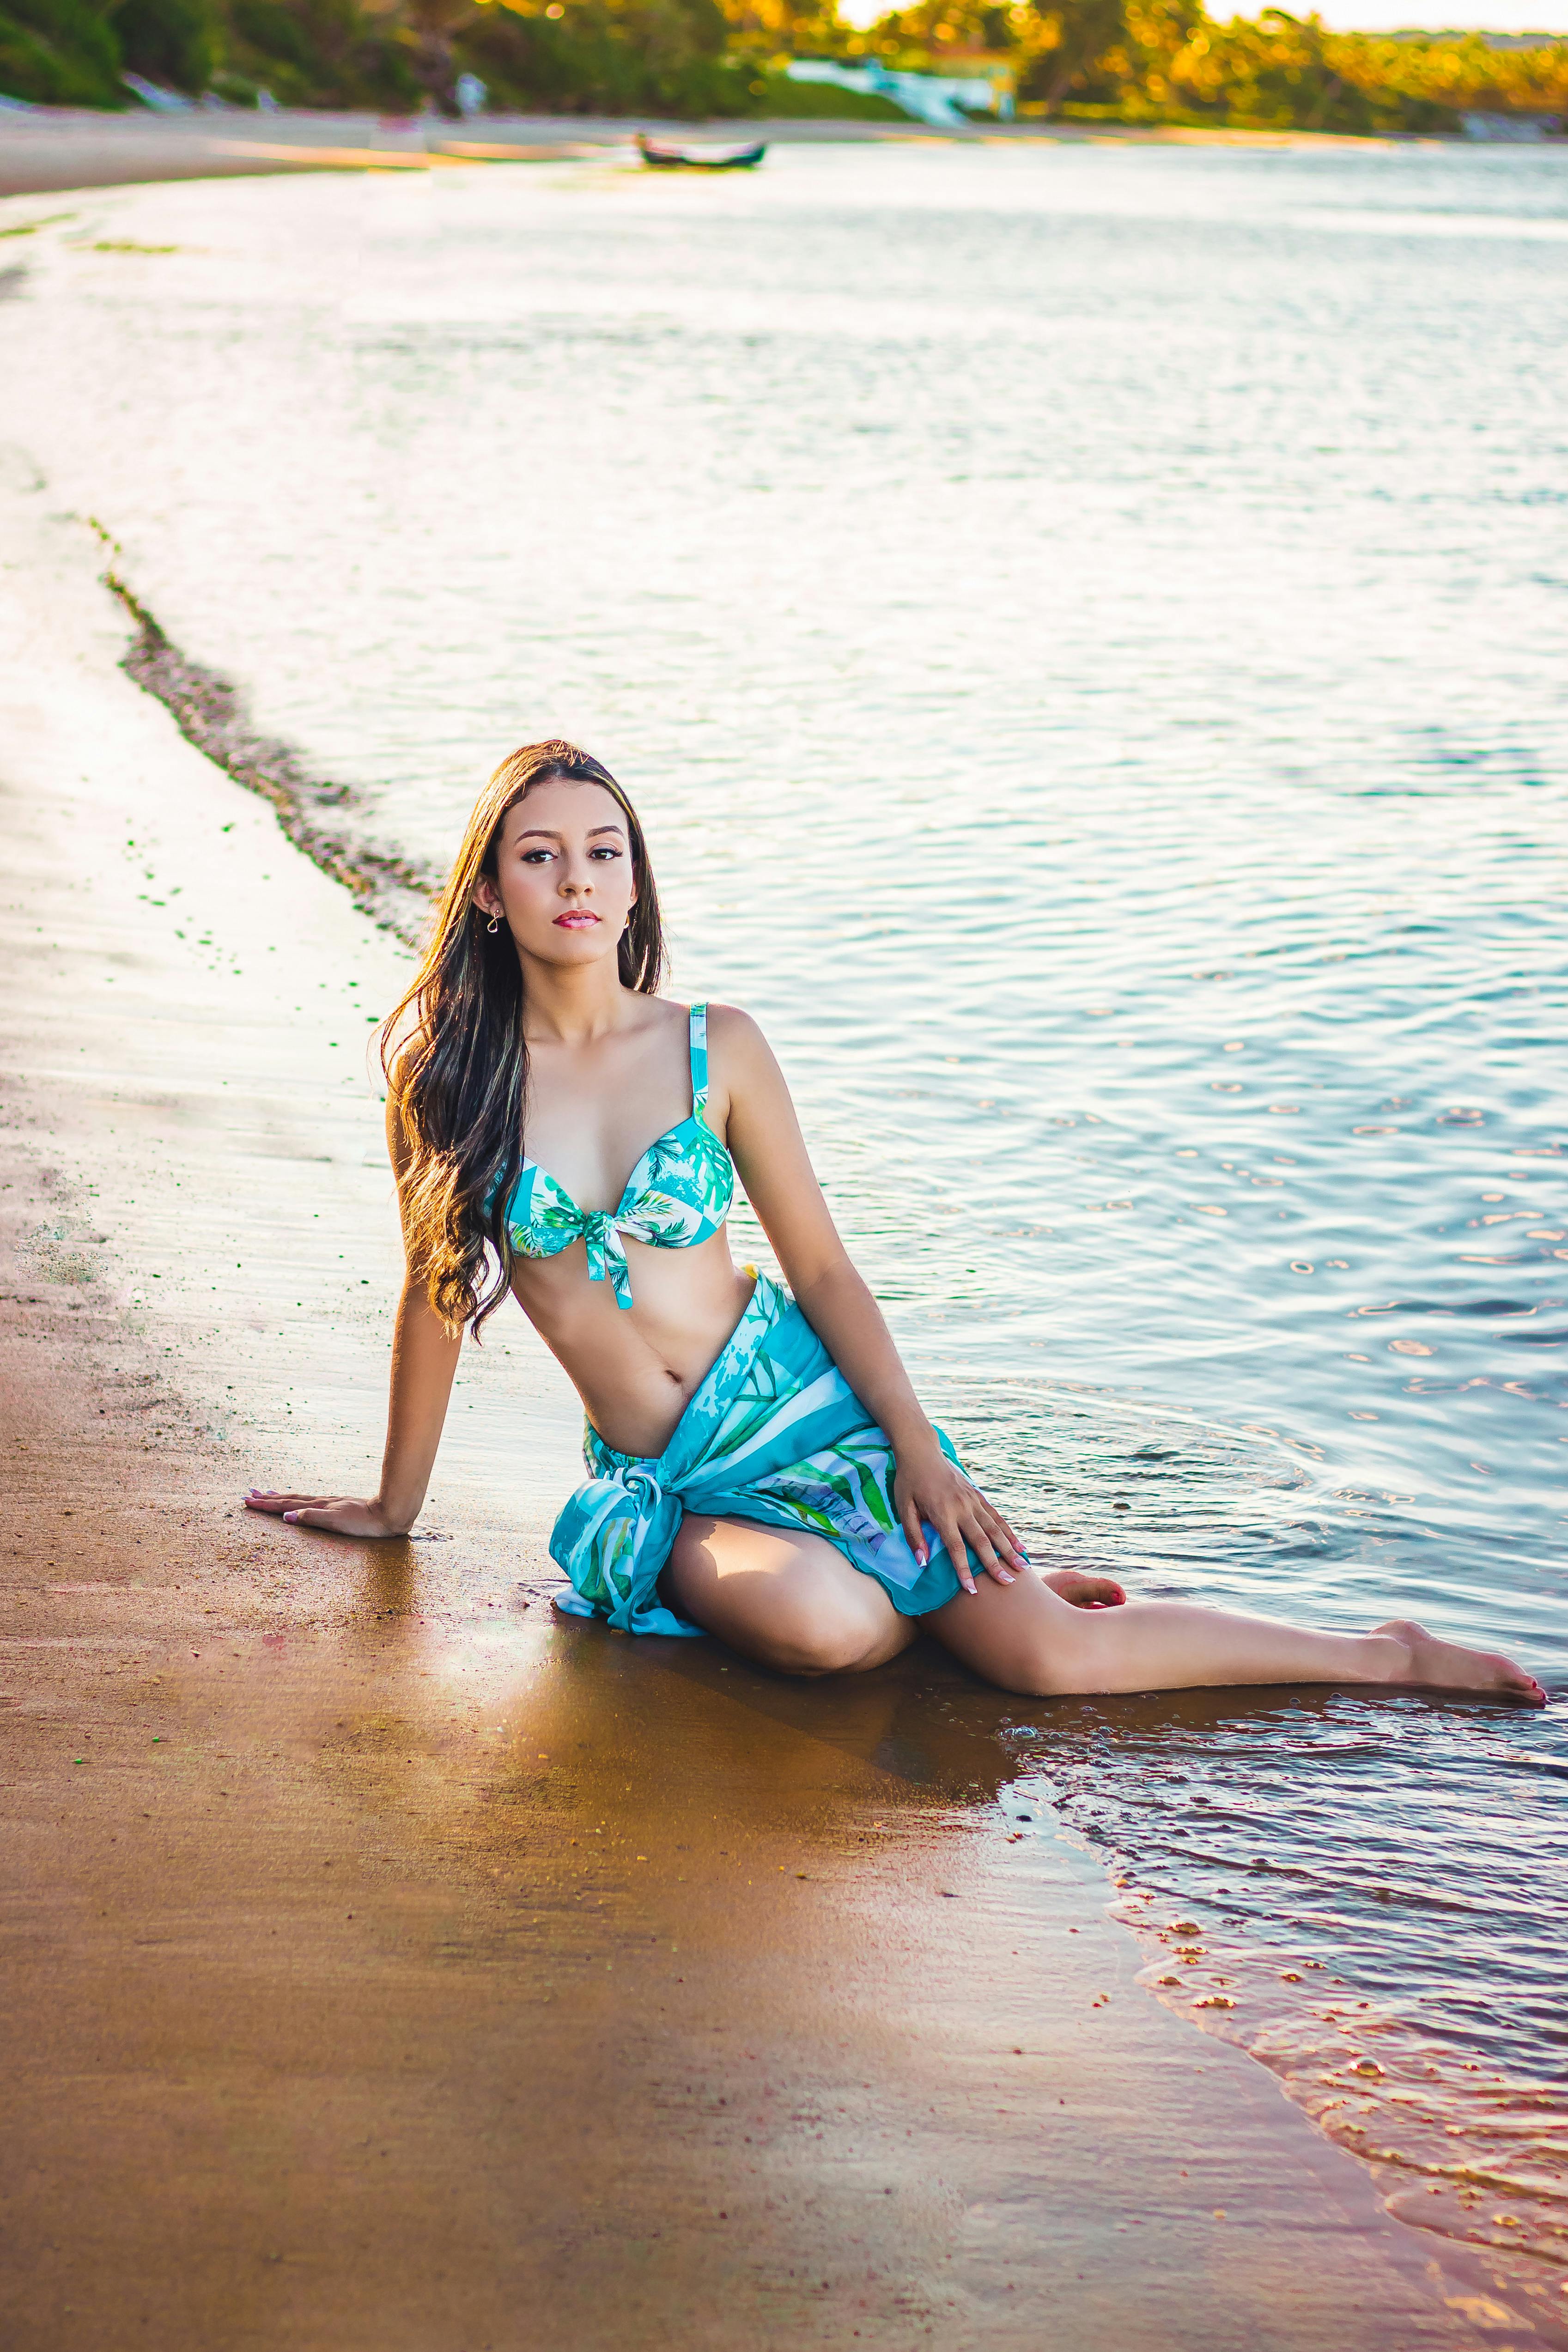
(660, 157)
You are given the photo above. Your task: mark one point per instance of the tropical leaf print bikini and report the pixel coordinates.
(772, 1433)
(677, 1195)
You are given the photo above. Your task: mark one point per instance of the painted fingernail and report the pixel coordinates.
(1023, 1558)
(291, 1517)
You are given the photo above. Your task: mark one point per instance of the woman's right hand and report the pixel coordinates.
(339, 1514)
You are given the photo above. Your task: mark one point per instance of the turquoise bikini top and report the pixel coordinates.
(677, 1194)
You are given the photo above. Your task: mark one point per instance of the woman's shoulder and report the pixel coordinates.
(732, 1029)
(744, 1065)
(735, 1042)
(403, 1055)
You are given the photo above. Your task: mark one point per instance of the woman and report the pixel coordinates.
(760, 1467)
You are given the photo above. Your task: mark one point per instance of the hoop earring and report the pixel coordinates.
(493, 926)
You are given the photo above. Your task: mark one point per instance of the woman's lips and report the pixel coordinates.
(577, 921)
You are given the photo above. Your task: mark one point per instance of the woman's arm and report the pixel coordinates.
(765, 1142)
(424, 1360)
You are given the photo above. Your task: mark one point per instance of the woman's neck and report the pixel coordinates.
(567, 1005)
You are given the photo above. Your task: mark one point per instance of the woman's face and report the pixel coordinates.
(564, 884)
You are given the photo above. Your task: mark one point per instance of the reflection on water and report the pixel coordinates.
(1368, 1894)
(1084, 628)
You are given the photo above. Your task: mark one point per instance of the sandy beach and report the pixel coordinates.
(58, 147)
(390, 1963)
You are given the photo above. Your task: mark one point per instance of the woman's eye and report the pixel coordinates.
(605, 850)
(536, 857)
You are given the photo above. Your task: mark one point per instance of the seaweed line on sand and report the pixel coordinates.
(210, 713)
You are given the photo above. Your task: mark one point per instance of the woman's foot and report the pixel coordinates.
(1084, 1592)
(1432, 1665)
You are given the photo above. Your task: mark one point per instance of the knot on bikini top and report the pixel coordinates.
(606, 1252)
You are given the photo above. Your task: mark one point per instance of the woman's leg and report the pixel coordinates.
(790, 1601)
(1025, 1638)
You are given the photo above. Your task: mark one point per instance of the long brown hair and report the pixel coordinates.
(457, 1070)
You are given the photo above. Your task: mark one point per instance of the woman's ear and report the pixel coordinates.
(487, 897)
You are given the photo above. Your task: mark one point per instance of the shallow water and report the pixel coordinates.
(1085, 629)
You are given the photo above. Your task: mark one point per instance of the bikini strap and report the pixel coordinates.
(700, 1062)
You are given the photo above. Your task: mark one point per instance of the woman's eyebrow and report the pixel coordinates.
(544, 833)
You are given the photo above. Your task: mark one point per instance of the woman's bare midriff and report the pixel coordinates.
(637, 1368)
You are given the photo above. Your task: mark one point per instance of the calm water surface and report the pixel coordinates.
(1086, 629)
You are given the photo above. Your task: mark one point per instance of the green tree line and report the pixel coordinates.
(1170, 61)
(1129, 60)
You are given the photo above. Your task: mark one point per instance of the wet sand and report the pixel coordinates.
(57, 148)
(388, 1963)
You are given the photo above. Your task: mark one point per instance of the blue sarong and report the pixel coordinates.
(774, 1434)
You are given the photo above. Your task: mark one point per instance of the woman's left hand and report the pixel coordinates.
(930, 1490)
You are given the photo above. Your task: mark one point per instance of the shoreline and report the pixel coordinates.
(351, 1880)
(54, 150)
(213, 717)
